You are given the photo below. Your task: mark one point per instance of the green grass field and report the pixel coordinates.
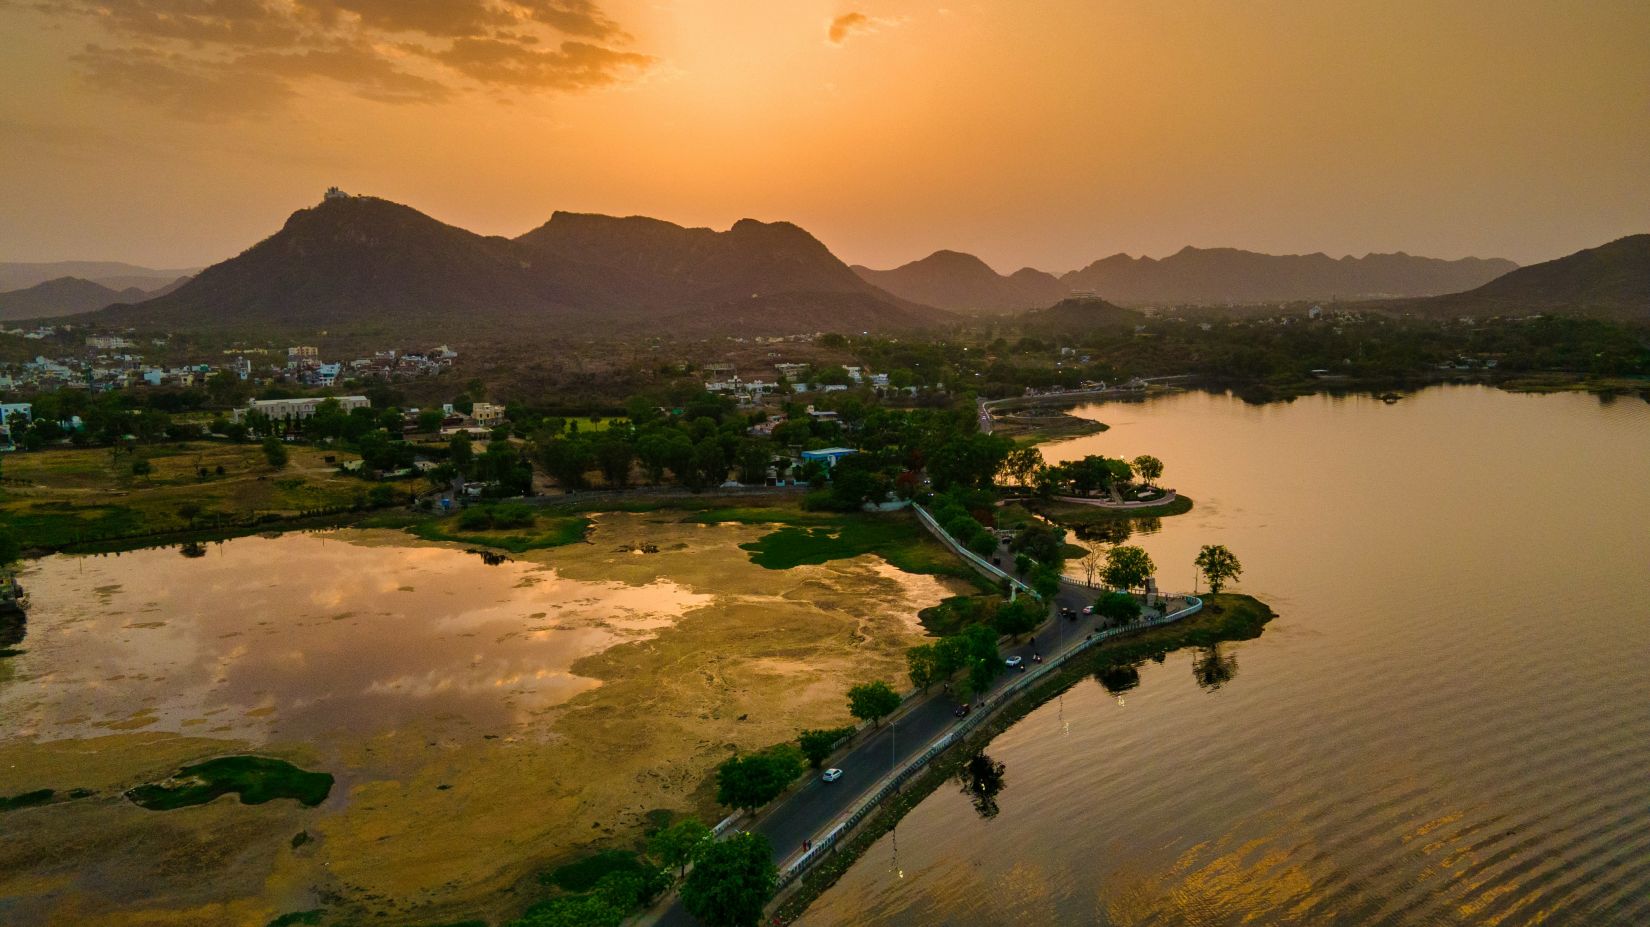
(62, 496)
(546, 531)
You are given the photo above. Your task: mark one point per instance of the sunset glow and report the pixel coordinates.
(1048, 133)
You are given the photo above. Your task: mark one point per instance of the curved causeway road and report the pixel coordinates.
(810, 811)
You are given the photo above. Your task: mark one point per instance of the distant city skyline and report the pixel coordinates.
(1047, 133)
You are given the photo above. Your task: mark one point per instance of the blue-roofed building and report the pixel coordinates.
(829, 455)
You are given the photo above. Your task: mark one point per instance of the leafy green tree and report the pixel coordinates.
(817, 744)
(1218, 565)
(1021, 616)
(614, 454)
(10, 547)
(731, 882)
(1045, 581)
(923, 665)
(1127, 567)
(567, 460)
(1149, 468)
(981, 673)
(1022, 464)
(1118, 607)
(275, 452)
(676, 845)
(430, 420)
(872, 701)
(460, 452)
(950, 655)
(749, 782)
(141, 467)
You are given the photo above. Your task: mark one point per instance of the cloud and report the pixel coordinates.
(214, 58)
(845, 24)
(572, 66)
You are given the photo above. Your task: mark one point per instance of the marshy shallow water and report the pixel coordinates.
(480, 719)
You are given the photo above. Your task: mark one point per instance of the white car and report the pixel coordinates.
(1013, 662)
(1088, 609)
(831, 775)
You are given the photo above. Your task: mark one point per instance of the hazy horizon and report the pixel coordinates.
(1047, 134)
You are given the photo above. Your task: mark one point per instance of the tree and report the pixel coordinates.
(872, 701)
(189, 512)
(1021, 616)
(749, 782)
(460, 453)
(981, 672)
(1045, 581)
(1022, 465)
(1118, 607)
(1149, 468)
(430, 420)
(275, 452)
(731, 882)
(1127, 567)
(676, 845)
(614, 454)
(1092, 562)
(923, 665)
(141, 467)
(1217, 564)
(10, 547)
(817, 744)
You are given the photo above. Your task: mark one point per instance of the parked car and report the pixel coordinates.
(831, 775)
(1088, 609)
(1013, 661)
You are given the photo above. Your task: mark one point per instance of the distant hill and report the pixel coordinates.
(1216, 276)
(112, 274)
(1611, 281)
(964, 283)
(63, 296)
(1193, 276)
(1078, 315)
(364, 265)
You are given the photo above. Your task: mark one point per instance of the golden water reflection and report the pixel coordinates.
(268, 637)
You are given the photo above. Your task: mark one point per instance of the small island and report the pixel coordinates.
(256, 779)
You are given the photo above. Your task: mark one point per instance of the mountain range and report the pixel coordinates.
(72, 295)
(370, 267)
(112, 274)
(363, 265)
(1611, 280)
(1191, 276)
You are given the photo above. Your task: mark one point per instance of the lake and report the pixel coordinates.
(1449, 723)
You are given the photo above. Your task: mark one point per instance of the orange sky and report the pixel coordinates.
(1042, 132)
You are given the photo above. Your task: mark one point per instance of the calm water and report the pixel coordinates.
(1449, 724)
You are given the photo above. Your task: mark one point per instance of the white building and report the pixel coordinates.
(288, 409)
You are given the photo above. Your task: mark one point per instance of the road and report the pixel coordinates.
(809, 812)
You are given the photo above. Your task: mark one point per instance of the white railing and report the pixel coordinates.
(975, 560)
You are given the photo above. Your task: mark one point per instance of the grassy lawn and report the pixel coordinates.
(57, 497)
(897, 538)
(546, 531)
(256, 779)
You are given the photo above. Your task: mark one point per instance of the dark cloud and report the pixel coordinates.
(190, 88)
(209, 58)
(571, 66)
(845, 24)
